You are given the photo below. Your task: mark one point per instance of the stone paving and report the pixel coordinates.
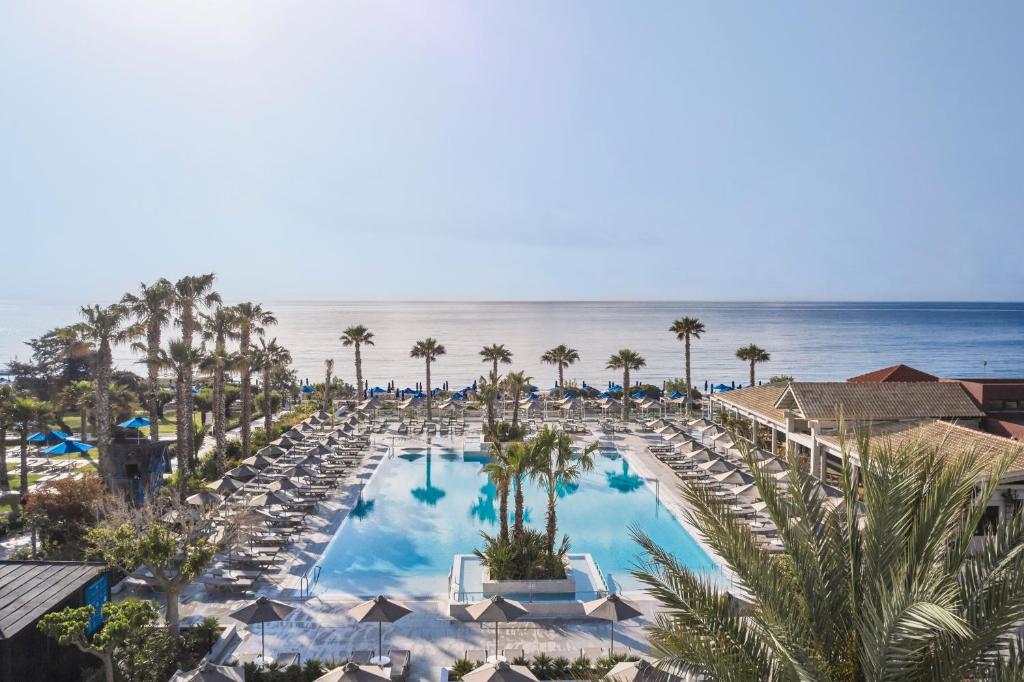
(321, 628)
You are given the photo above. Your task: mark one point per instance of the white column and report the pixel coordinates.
(775, 439)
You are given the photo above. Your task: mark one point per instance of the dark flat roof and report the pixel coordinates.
(29, 589)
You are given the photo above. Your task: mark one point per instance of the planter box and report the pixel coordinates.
(566, 585)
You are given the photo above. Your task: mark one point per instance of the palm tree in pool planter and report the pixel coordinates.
(428, 350)
(687, 329)
(500, 474)
(561, 356)
(626, 360)
(888, 581)
(357, 336)
(494, 354)
(151, 308)
(754, 355)
(520, 463)
(556, 464)
(252, 321)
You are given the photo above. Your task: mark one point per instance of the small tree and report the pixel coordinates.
(122, 620)
(134, 538)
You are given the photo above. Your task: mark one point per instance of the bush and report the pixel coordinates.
(524, 559)
(461, 667)
(307, 672)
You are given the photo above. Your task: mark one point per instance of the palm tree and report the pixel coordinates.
(494, 354)
(499, 473)
(561, 356)
(104, 328)
(328, 377)
(556, 464)
(7, 402)
(357, 336)
(269, 357)
(428, 350)
(516, 383)
(219, 326)
(487, 393)
(77, 396)
(752, 354)
(892, 584)
(151, 307)
(180, 359)
(626, 360)
(27, 414)
(520, 463)
(192, 294)
(252, 322)
(686, 329)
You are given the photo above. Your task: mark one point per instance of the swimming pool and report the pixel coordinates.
(423, 507)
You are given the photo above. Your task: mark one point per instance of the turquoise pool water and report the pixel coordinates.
(422, 508)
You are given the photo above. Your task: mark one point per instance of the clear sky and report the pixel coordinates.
(514, 150)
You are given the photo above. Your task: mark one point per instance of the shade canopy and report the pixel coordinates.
(69, 446)
(49, 437)
(257, 461)
(135, 423)
(204, 498)
(636, 671)
(380, 609)
(496, 609)
(263, 610)
(283, 484)
(611, 607)
(243, 472)
(500, 671)
(208, 672)
(351, 672)
(273, 498)
(224, 485)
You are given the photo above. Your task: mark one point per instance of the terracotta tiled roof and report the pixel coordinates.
(894, 373)
(954, 440)
(758, 399)
(880, 401)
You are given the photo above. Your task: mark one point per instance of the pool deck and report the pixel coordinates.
(321, 627)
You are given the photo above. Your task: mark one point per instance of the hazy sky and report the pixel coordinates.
(514, 150)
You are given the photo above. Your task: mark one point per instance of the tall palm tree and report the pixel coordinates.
(555, 464)
(428, 350)
(328, 377)
(561, 356)
(78, 396)
(520, 462)
(252, 322)
(626, 360)
(357, 336)
(494, 354)
(499, 473)
(487, 393)
(192, 295)
(754, 355)
(181, 359)
(27, 415)
(687, 329)
(104, 327)
(892, 584)
(219, 326)
(516, 384)
(269, 357)
(7, 403)
(151, 308)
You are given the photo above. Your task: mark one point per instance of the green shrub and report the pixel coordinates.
(461, 667)
(580, 668)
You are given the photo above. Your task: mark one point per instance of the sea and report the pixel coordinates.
(816, 341)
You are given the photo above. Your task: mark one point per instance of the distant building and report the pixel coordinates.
(28, 591)
(1002, 401)
(891, 374)
(135, 468)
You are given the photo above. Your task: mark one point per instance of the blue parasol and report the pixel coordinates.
(68, 446)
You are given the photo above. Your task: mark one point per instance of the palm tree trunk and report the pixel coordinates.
(359, 373)
(246, 392)
(83, 414)
(5, 481)
(268, 410)
(180, 434)
(494, 372)
(515, 409)
(625, 394)
(429, 395)
(218, 419)
(689, 382)
(517, 527)
(24, 459)
(552, 519)
(561, 380)
(503, 510)
(153, 381)
(187, 329)
(102, 411)
(752, 363)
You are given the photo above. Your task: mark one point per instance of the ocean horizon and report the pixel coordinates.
(825, 340)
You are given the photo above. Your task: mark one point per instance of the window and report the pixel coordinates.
(989, 521)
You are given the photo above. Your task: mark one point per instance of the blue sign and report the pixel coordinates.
(97, 593)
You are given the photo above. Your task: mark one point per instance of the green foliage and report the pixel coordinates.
(780, 379)
(154, 546)
(461, 667)
(311, 670)
(524, 557)
(505, 432)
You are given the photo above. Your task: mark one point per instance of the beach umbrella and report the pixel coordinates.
(634, 671)
(379, 610)
(496, 610)
(500, 671)
(262, 611)
(49, 437)
(271, 451)
(204, 498)
(352, 672)
(68, 446)
(242, 473)
(273, 498)
(612, 608)
(224, 486)
(257, 461)
(208, 672)
(283, 484)
(135, 423)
